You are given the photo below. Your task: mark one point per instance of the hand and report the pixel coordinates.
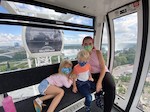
(70, 78)
(98, 87)
(91, 79)
(75, 90)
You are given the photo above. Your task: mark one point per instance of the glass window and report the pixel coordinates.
(14, 41)
(41, 12)
(73, 43)
(14, 55)
(144, 102)
(125, 50)
(104, 47)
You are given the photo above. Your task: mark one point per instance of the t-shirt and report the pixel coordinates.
(59, 80)
(82, 72)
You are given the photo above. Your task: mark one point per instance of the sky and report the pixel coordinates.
(125, 28)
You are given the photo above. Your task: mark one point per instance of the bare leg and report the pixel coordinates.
(57, 93)
(46, 97)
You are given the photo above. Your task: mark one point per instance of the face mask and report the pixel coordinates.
(82, 63)
(66, 70)
(88, 48)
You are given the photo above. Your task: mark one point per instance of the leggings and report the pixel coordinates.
(108, 86)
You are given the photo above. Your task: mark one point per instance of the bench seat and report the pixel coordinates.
(15, 80)
(27, 104)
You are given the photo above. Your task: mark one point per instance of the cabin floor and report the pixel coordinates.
(96, 109)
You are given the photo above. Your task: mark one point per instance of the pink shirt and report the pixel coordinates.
(59, 80)
(94, 62)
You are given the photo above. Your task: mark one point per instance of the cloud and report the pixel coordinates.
(125, 29)
(70, 52)
(37, 9)
(126, 24)
(74, 20)
(9, 39)
(126, 38)
(75, 39)
(80, 20)
(83, 35)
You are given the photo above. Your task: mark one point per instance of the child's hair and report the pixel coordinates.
(83, 54)
(63, 63)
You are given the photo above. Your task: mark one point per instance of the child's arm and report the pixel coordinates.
(91, 78)
(74, 84)
(70, 76)
(67, 82)
(74, 76)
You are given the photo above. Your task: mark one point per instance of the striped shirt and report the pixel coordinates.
(82, 73)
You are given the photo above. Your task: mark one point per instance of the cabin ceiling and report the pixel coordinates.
(90, 7)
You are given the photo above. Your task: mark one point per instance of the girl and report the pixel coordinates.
(84, 78)
(102, 77)
(50, 87)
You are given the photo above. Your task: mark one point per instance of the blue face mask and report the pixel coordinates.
(82, 63)
(66, 70)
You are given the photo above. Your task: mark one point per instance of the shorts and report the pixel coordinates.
(43, 86)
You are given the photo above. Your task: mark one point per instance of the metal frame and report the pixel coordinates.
(123, 103)
(41, 20)
(143, 51)
(56, 8)
(109, 42)
(146, 61)
(41, 25)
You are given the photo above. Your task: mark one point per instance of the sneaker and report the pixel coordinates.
(87, 109)
(99, 97)
(38, 105)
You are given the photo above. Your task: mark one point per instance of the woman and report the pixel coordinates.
(100, 73)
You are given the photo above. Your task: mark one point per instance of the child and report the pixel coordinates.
(82, 73)
(50, 87)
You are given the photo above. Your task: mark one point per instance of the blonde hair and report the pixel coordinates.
(63, 63)
(83, 54)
